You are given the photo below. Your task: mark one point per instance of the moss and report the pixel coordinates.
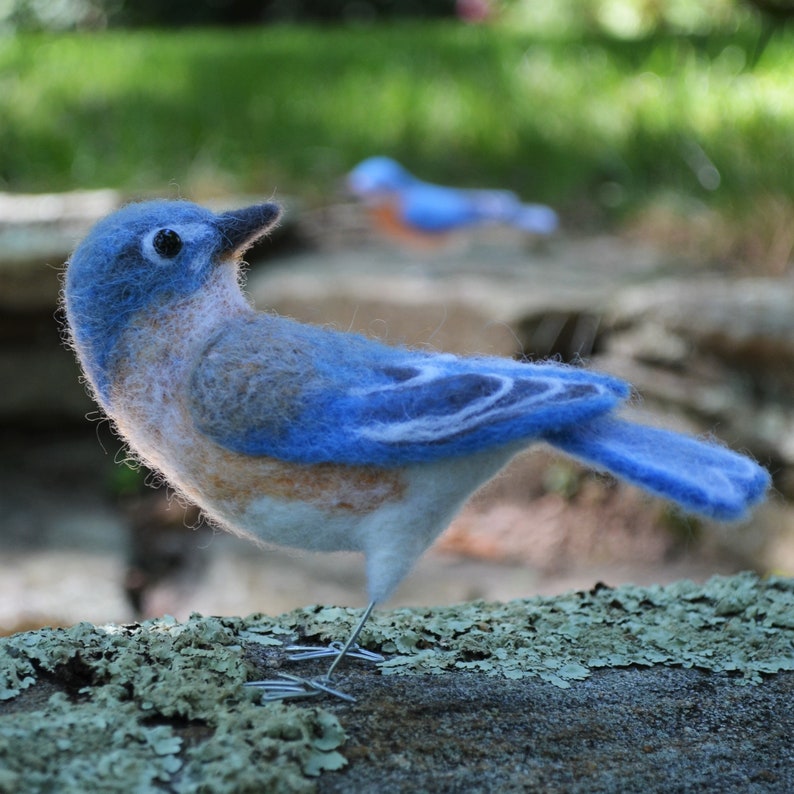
(160, 705)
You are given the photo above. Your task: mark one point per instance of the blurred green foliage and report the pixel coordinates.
(610, 105)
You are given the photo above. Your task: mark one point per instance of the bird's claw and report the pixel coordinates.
(288, 687)
(299, 653)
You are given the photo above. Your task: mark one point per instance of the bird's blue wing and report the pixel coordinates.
(446, 406)
(433, 208)
(268, 386)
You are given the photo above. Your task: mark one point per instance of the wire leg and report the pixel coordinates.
(289, 686)
(351, 642)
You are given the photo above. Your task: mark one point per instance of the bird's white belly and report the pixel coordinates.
(300, 525)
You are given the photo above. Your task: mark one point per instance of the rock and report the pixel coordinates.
(37, 233)
(418, 298)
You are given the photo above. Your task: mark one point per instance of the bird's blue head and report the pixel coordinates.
(377, 175)
(145, 254)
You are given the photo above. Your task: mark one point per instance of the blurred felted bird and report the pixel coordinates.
(412, 210)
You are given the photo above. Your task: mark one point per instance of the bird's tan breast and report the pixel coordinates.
(151, 410)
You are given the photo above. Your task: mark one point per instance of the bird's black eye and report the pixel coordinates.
(167, 243)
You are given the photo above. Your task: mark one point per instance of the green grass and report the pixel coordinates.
(584, 117)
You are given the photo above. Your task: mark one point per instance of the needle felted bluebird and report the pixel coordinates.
(401, 201)
(311, 438)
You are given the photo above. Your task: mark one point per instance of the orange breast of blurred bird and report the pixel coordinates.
(386, 218)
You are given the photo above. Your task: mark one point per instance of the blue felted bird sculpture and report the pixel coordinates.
(311, 438)
(404, 204)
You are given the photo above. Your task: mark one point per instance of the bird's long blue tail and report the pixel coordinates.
(703, 478)
(535, 218)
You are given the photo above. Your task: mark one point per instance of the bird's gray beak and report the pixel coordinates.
(240, 229)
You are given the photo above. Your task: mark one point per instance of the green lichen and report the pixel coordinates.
(742, 625)
(73, 747)
(271, 751)
(161, 706)
(155, 705)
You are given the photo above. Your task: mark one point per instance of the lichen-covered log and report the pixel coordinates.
(679, 684)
